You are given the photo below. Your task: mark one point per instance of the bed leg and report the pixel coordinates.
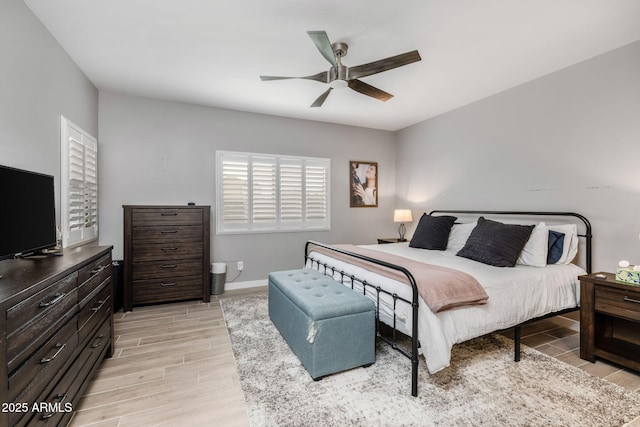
(516, 343)
(414, 378)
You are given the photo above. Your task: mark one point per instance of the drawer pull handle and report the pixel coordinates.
(168, 285)
(60, 347)
(168, 266)
(101, 303)
(169, 249)
(57, 297)
(98, 270)
(627, 299)
(62, 397)
(98, 342)
(168, 214)
(168, 231)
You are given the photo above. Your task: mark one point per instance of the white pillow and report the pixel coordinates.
(459, 235)
(570, 245)
(535, 251)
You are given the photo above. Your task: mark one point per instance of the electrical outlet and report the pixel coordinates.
(240, 265)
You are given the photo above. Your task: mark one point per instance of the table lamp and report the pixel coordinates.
(402, 216)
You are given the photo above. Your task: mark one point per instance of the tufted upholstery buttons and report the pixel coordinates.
(318, 295)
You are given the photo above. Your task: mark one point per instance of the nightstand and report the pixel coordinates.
(609, 320)
(382, 240)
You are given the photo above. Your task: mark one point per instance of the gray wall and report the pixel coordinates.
(159, 152)
(38, 83)
(567, 141)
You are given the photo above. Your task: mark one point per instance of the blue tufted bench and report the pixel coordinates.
(330, 327)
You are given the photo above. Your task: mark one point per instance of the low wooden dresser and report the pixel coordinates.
(166, 254)
(57, 327)
(609, 320)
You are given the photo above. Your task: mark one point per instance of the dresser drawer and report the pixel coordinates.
(166, 216)
(98, 308)
(618, 302)
(166, 251)
(173, 268)
(39, 369)
(97, 345)
(68, 388)
(50, 308)
(169, 289)
(93, 275)
(39, 305)
(168, 233)
(93, 268)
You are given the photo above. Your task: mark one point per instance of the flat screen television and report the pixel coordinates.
(27, 212)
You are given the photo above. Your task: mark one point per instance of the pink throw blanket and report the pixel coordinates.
(440, 287)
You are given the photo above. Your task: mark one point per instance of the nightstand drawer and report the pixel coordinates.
(618, 302)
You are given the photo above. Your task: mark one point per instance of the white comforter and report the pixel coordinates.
(515, 295)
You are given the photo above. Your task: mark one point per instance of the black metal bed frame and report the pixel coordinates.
(392, 341)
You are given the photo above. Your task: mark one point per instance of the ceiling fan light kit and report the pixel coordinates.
(340, 76)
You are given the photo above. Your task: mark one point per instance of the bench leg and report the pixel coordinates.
(516, 343)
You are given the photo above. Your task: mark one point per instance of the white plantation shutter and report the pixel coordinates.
(264, 212)
(316, 184)
(291, 193)
(259, 192)
(79, 185)
(234, 191)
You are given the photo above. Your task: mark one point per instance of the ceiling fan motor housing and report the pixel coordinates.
(339, 81)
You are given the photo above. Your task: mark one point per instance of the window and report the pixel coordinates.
(79, 185)
(262, 192)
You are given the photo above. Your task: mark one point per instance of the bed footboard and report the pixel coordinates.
(376, 290)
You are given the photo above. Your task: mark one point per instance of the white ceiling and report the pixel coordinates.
(211, 52)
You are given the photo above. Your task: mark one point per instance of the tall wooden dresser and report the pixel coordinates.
(57, 327)
(166, 254)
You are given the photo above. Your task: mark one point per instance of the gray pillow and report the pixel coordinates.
(432, 232)
(495, 243)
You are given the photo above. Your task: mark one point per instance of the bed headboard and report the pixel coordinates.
(531, 215)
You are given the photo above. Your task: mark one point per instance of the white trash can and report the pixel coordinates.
(218, 277)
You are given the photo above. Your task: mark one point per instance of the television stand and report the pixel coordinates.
(56, 328)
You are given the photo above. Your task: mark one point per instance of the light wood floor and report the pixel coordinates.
(173, 365)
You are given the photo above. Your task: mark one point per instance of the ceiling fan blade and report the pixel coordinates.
(322, 77)
(320, 100)
(323, 44)
(383, 65)
(268, 78)
(367, 89)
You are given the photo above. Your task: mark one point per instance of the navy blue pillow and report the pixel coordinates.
(556, 244)
(495, 243)
(432, 232)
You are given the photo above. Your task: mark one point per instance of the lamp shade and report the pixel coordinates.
(402, 215)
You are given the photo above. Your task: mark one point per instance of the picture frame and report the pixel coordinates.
(363, 184)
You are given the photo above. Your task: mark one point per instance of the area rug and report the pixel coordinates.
(482, 387)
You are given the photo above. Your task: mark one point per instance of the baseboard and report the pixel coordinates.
(230, 286)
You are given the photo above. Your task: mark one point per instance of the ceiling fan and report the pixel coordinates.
(340, 76)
